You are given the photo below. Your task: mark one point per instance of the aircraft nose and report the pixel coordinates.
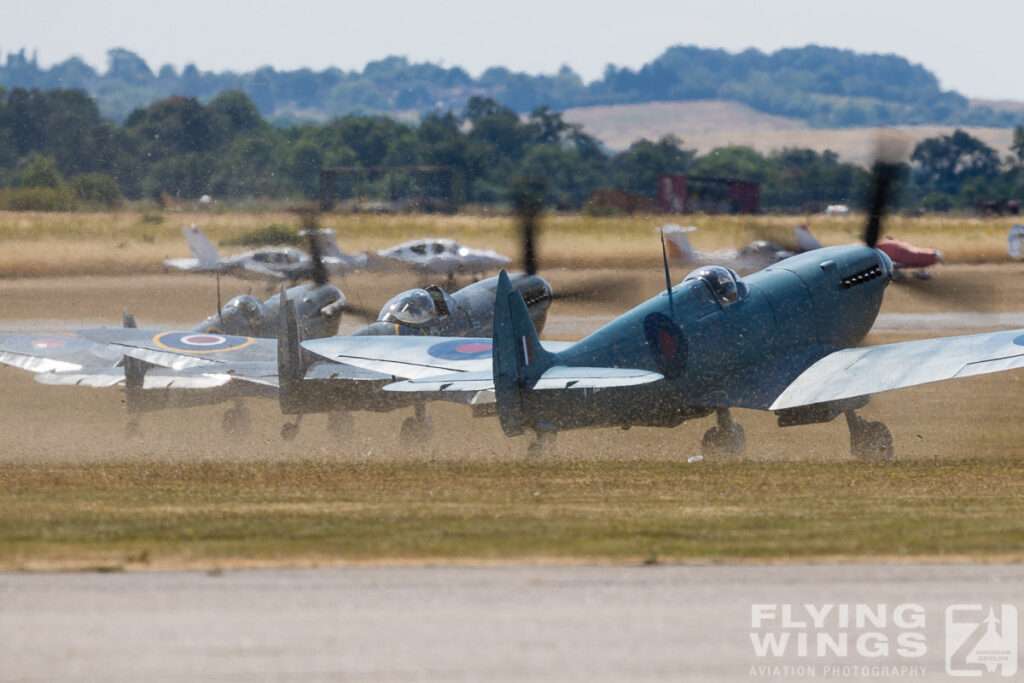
(886, 264)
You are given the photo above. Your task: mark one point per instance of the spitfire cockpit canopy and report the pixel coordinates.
(413, 307)
(723, 283)
(252, 310)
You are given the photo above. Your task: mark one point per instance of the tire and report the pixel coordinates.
(724, 442)
(873, 442)
(236, 422)
(289, 431)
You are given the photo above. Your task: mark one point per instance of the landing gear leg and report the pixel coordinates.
(236, 421)
(545, 442)
(419, 428)
(868, 440)
(725, 438)
(290, 430)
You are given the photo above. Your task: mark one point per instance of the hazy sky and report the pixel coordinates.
(971, 45)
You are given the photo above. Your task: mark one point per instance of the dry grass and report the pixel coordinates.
(37, 244)
(206, 513)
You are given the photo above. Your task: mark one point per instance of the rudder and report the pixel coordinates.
(200, 246)
(518, 359)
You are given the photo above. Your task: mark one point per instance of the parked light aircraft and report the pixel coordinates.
(316, 386)
(430, 257)
(782, 339)
(74, 361)
(274, 263)
(760, 253)
(753, 256)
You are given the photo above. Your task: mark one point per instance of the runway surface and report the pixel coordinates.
(656, 623)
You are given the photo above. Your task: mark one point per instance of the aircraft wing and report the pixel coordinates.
(189, 264)
(154, 379)
(557, 377)
(871, 369)
(412, 357)
(180, 350)
(260, 270)
(43, 353)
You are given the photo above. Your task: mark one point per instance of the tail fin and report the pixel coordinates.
(201, 247)
(679, 248)
(805, 240)
(328, 244)
(518, 357)
(290, 366)
(1013, 242)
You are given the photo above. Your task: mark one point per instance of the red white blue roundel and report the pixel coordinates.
(461, 349)
(199, 342)
(667, 344)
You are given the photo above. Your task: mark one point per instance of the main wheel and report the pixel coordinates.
(872, 441)
(289, 430)
(724, 441)
(236, 422)
(544, 445)
(415, 432)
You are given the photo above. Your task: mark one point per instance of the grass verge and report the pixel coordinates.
(249, 514)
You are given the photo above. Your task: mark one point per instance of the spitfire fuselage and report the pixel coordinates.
(720, 341)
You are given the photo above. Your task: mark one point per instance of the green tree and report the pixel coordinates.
(946, 162)
(41, 171)
(1018, 145)
(97, 188)
(637, 169)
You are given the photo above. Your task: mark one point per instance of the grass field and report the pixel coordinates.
(229, 514)
(76, 494)
(129, 242)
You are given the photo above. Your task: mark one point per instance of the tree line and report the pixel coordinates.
(827, 87)
(57, 152)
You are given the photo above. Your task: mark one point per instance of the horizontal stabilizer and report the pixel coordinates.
(873, 369)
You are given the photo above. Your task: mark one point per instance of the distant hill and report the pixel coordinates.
(821, 87)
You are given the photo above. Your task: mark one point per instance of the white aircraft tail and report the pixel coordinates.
(1014, 242)
(677, 243)
(805, 240)
(201, 247)
(328, 244)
